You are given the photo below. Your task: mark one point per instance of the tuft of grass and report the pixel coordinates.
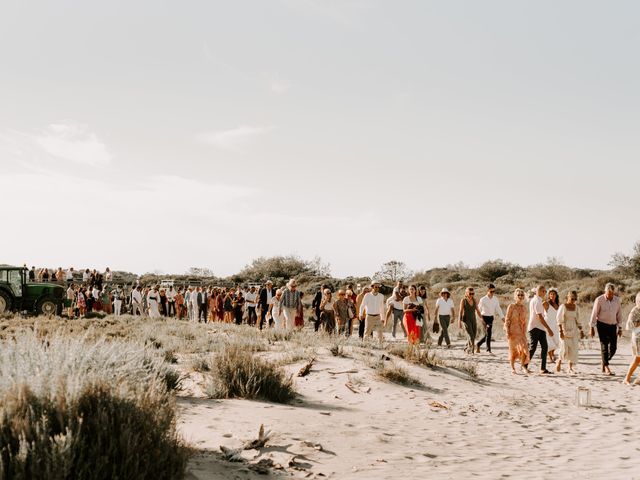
(397, 374)
(468, 367)
(200, 364)
(237, 373)
(413, 354)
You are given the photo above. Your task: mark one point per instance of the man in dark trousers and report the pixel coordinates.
(264, 300)
(202, 304)
(315, 304)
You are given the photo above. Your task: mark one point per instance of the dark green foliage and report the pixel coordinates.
(493, 269)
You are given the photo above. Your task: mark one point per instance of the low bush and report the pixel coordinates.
(237, 373)
(396, 374)
(76, 409)
(420, 356)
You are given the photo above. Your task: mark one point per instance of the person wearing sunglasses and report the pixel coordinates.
(468, 311)
(537, 328)
(515, 326)
(490, 309)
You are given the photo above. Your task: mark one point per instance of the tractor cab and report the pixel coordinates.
(17, 295)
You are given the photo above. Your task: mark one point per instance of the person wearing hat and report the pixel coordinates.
(291, 304)
(445, 313)
(264, 300)
(371, 311)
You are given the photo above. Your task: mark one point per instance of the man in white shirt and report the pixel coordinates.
(251, 298)
(537, 327)
(68, 276)
(489, 309)
(136, 301)
(171, 301)
(117, 294)
(371, 311)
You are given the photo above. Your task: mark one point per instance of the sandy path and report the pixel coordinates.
(502, 426)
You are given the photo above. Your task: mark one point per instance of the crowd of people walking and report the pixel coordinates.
(546, 321)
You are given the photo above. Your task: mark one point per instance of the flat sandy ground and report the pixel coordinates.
(498, 426)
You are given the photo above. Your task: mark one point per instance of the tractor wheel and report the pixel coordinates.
(5, 302)
(46, 306)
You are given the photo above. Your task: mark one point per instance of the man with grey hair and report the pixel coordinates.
(607, 318)
(537, 326)
(371, 311)
(291, 304)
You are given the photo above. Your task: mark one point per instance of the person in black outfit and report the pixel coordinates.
(202, 304)
(264, 297)
(238, 304)
(315, 304)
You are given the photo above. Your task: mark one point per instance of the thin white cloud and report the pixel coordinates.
(235, 139)
(59, 141)
(74, 143)
(278, 85)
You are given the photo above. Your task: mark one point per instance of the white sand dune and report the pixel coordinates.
(501, 426)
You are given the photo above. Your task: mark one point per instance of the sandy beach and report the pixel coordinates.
(499, 425)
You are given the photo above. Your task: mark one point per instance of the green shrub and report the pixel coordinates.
(237, 373)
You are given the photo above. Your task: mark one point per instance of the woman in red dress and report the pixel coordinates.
(412, 315)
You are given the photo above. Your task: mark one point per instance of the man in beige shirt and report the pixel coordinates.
(371, 311)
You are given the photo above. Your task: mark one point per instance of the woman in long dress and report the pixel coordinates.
(570, 332)
(275, 311)
(327, 312)
(468, 311)
(633, 324)
(550, 315)
(412, 305)
(515, 326)
(153, 301)
(425, 337)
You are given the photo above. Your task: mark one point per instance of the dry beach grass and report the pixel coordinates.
(355, 413)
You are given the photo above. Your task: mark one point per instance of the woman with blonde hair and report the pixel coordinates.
(275, 310)
(515, 326)
(570, 331)
(327, 312)
(633, 324)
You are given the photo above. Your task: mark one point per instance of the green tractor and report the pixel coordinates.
(17, 295)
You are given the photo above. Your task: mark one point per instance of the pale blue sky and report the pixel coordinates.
(359, 131)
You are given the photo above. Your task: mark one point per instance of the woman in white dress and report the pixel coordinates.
(570, 332)
(275, 311)
(153, 300)
(633, 324)
(551, 317)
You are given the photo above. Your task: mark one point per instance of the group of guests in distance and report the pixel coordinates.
(546, 321)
